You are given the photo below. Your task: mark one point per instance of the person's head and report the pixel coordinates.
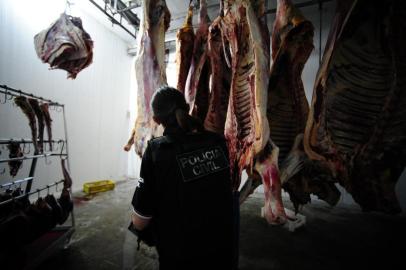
(170, 109)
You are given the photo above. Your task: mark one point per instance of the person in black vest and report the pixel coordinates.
(184, 195)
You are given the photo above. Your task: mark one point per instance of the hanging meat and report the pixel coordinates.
(292, 44)
(246, 127)
(48, 122)
(41, 122)
(149, 70)
(14, 152)
(184, 48)
(220, 79)
(357, 122)
(197, 83)
(65, 45)
(22, 102)
(66, 175)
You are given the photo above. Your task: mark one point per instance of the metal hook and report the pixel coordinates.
(56, 186)
(47, 162)
(3, 171)
(5, 97)
(63, 145)
(59, 109)
(47, 189)
(24, 149)
(38, 193)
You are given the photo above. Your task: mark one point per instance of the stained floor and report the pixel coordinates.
(333, 238)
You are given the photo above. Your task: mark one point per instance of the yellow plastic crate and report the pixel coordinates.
(98, 186)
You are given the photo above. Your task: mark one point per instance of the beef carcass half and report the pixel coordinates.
(292, 44)
(22, 102)
(246, 127)
(65, 45)
(357, 122)
(220, 79)
(197, 83)
(184, 48)
(149, 70)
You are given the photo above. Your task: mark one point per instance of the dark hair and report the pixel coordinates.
(170, 108)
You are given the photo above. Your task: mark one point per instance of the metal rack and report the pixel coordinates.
(37, 251)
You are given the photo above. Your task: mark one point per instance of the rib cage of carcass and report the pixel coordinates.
(150, 70)
(357, 123)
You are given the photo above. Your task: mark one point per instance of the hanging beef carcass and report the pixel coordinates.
(357, 122)
(184, 49)
(246, 127)
(292, 44)
(197, 83)
(220, 79)
(149, 70)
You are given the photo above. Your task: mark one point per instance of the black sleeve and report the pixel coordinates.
(144, 195)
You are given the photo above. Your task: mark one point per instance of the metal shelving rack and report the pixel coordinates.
(37, 251)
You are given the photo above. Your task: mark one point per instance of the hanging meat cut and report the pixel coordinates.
(357, 122)
(22, 102)
(65, 45)
(184, 48)
(197, 83)
(41, 122)
(15, 152)
(246, 127)
(48, 122)
(149, 70)
(220, 79)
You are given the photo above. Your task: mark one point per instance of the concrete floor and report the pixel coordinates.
(333, 238)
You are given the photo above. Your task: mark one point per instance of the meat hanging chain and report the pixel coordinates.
(357, 122)
(150, 71)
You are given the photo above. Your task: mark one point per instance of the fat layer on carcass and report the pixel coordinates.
(197, 83)
(149, 71)
(357, 122)
(246, 127)
(184, 49)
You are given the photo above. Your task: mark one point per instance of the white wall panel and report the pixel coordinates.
(96, 102)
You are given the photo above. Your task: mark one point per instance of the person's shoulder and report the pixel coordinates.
(158, 141)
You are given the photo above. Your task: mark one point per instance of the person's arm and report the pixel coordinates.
(143, 198)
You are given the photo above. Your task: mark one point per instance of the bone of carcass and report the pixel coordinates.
(65, 45)
(184, 48)
(149, 70)
(41, 122)
(220, 80)
(197, 83)
(22, 102)
(246, 127)
(48, 122)
(357, 122)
